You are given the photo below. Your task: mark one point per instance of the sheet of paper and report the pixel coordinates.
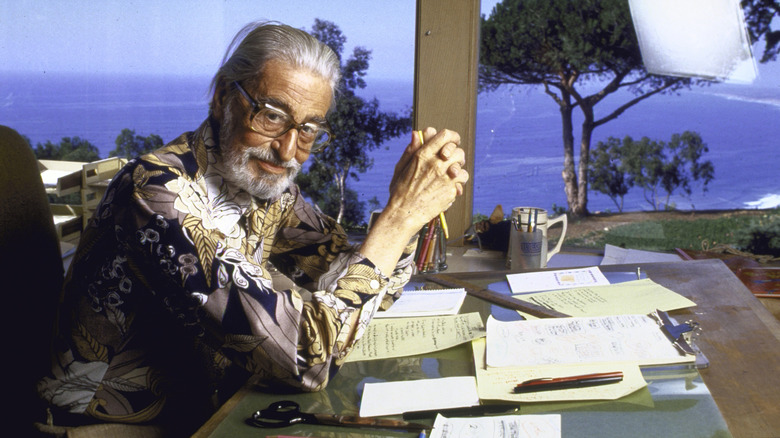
(392, 398)
(615, 255)
(630, 297)
(497, 383)
(515, 426)
(398, 337)
(701, 38)
(50, 177)
(554, 280)
(589, 339)
(414, 303)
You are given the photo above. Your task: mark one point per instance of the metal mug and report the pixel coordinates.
(523, 216)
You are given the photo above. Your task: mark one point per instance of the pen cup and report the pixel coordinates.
(431, 254)
(526, 249)
(533, 219)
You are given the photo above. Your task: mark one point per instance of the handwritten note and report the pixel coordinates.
(519, 426)
(631, 297)
(398, 337)
(611, 338)
(554, 280)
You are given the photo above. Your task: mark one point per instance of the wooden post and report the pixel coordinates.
(445, 83)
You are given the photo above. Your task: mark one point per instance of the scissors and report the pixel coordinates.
(287, 413)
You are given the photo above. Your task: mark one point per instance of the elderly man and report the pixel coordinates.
(170, 298)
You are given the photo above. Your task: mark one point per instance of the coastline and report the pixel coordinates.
(518, 155)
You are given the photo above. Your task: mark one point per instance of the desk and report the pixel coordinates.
(740, 338)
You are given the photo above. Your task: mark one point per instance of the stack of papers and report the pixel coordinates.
(518, 351)
(630, 297)
(587, 292)
(497, 383)
(609, 331)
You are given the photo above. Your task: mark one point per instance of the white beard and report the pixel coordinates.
(236, 165)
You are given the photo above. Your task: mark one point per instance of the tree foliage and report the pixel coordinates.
(607, 173)
(359, 126)
(570, 49)
(658, 168)
(759, 15)
(68, 149)
(130, 145)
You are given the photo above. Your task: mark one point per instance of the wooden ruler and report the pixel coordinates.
(493, 297)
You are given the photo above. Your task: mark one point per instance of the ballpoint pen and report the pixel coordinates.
(468, 411)
(581, 381)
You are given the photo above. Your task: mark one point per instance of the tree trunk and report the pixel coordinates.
(581, 208)
(569, 175)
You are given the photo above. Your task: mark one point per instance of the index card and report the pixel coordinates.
(553, 280)
(392, 398)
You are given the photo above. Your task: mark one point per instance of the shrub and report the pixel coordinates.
(762, 237)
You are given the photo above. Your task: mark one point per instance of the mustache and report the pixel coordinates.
(266, 154)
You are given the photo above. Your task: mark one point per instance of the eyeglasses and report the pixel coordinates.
(273, 122)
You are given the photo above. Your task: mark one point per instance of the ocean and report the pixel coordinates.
(519, 153)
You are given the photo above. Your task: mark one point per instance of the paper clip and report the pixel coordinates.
(679, 334)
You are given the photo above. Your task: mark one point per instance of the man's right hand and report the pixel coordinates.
(426, 181)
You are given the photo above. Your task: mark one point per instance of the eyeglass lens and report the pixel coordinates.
(273, 122)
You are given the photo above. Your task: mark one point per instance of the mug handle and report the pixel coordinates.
(558, 245)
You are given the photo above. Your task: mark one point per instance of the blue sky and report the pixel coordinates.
(187, 36)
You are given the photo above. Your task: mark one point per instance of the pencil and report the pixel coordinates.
(425, 247)
(420, 240)
(433, 248)
(444, 226)
(441, 215)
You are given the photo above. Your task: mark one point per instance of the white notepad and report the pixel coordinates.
(432, 302)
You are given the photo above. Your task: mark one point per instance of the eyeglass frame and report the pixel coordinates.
(257, 106)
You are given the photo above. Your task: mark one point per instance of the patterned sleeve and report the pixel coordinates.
(312, 249)
(208, 271)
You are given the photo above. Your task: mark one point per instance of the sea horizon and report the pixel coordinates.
(518, 150)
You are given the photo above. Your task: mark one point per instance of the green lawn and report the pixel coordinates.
(758, 233)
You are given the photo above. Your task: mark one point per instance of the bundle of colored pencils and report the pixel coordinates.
(431, 247)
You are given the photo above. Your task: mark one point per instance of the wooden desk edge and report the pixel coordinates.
(214, 421)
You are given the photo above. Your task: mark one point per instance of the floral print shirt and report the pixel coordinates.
(171, 289)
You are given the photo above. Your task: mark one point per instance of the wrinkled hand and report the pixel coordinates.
(426, 181)
(428, 177)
